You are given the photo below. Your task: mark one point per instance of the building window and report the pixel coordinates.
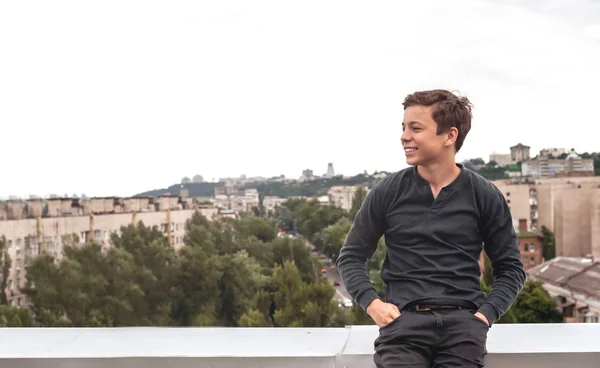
(532, 261)
(526, 247)
(532, 247)
(590, 318)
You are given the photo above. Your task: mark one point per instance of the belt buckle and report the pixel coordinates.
(419, 309)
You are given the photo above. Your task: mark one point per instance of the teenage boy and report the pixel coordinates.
(435, 216)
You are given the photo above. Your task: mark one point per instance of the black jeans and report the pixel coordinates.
(449, 338)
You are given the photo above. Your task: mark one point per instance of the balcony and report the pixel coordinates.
(540, 346)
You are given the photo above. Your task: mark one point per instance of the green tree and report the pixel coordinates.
(254, 318)
(357, 200)
(16, 317)
(155, 271)
(260, 227)
(488, 271)
(294, 250)
(302, 305)
(197, 287)
(330, 240)
(548, 244)
(535, 305)
(4, 268)
(240, 280)
(311, 217)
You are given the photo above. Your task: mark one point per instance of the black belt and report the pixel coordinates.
(429, 307)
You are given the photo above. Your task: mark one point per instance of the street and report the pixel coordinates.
(332, 275)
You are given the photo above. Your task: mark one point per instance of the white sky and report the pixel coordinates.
(119, 97)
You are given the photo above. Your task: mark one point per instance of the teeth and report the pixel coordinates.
(410, 149)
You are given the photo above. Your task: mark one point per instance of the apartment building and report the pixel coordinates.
(522, 201)
(548, 167)
(502, 159)
(33, 227)
(531, 246)
(570, 209)
(566, 206)
(342, 196)
(237, 202)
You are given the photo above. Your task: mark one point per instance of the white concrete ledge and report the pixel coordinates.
(536, 345)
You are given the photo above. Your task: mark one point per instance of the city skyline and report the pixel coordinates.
(247, 88)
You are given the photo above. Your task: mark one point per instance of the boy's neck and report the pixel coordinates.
(439, 174)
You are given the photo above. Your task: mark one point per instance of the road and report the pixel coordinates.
(332, 275)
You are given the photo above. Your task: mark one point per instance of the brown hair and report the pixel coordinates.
(449, 110)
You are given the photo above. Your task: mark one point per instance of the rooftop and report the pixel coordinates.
(521, 345)
(576, 275)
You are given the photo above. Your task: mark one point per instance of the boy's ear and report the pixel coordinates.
(452, 136)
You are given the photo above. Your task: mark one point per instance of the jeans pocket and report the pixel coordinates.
(473, 316)
(391, 323)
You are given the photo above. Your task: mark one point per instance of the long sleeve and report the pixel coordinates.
(502, 247)
(360, 244)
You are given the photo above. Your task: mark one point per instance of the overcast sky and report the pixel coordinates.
(119, 97)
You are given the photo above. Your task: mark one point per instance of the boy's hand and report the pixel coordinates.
(483, 318)
(382, 313)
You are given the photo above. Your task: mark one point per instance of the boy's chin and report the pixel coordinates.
(412, 161)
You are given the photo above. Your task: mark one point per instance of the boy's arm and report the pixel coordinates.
(502, 247)
(360, 244)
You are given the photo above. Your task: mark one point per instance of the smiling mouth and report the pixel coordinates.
(410, 149)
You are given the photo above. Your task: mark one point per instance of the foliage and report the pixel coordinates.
(16, 317)
(229, 273)
(533, 305)
(357, 200)
(488, 272)
(301, 305)
(4, 268)
(548, 244)
(309, 188)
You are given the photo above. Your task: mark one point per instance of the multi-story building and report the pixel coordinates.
(546, 167)
(237, 202)
(502, 159)
(342, 196)
(566, 206)
(34, 227)
(522, 201)
(531, 246)
(554, 152)
(519, 152)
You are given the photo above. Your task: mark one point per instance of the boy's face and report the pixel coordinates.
(422, 144)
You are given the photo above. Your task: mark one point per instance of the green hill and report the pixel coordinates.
(194, 190)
